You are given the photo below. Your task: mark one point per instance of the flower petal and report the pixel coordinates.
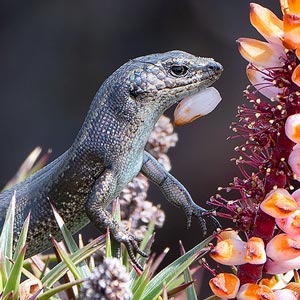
(255, 251)
(296, 196)
(280, 267)
(290, 225)
(279, 204)
(29, 287)
(225, 285)
(266, 23)
(251, 291)
(286, 294)
(294, 286)
(294, 162)
(228, 234)
(282, 247)
(261, 53)
(284, 5)
(296, 74)
(292, 126)
(229, 252)
(291, 27)
(292, 6)
(257, 76)
(196, 106)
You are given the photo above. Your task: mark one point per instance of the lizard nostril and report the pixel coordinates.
(215, 67)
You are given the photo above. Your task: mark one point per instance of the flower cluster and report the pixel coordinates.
(109, 281)
(266, 210)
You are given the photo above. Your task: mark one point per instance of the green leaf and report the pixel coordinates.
(148, 234)
(115, 245)
(140, 284)
(66, 258)
(82, 268)
(108, 246)
(14, 276)
(154, 288)
(6, 238)
(22, 238)
(48, 294)
(3, 274)
(190, 292)
(60, 269)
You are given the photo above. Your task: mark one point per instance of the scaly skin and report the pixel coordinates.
(108, 152)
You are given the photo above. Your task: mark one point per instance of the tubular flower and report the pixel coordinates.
(252, 291)
(268, 157)
(233, 251)
(225, 285)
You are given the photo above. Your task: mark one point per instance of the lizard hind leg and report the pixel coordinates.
(101, 194)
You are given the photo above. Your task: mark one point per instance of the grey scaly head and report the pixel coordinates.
(108, 152)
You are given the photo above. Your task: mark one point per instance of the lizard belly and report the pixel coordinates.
(127, 171)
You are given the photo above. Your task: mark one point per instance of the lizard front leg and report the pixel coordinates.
(99, 197)
(174, 191)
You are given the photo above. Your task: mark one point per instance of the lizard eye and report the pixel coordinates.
(178, 70)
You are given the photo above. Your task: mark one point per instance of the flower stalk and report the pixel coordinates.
(269, 156)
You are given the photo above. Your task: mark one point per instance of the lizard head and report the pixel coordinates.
(161, 80)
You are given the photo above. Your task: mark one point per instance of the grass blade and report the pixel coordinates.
(6, 238)
(14, 277)
(60, 269)
(66, 259)
(22, 238)
(82, 268)
(154, 288)
(190, 291)
(48, 294)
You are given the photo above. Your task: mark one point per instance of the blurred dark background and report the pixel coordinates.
(55, 54)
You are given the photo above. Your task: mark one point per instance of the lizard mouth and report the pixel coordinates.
(196, 106)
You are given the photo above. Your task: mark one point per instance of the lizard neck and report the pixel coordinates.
(115, 126)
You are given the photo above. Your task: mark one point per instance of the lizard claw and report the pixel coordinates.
(131, 243)
(201, 213)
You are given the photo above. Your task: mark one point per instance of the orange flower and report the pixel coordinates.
(252, 291)
(281, 36)
(225, 285)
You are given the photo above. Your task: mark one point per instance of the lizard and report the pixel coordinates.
(108, 152)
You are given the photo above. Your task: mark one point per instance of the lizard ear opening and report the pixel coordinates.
(134, 93)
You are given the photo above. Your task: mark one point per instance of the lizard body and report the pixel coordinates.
(108, 152)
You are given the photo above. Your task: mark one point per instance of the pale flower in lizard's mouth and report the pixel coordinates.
(196, 106)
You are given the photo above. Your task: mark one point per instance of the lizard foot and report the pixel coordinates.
(131, 243)
(201, 214)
